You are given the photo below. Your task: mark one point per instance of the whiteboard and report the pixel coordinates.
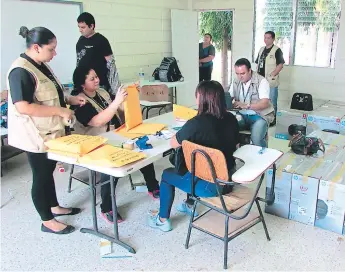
(58, 16)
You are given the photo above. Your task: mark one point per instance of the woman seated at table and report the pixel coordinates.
(213, 127)
(94, 118)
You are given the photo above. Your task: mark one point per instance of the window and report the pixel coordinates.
(306, 30)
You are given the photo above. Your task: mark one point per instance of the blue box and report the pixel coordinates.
(329, 138)
(330, 209)
(286, 165)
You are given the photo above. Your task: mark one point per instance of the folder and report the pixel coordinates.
(184, 113)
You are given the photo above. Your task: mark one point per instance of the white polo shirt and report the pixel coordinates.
(264, 90)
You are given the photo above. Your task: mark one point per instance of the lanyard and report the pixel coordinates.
(244, 97)
(103, 101)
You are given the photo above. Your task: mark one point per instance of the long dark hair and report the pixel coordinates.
(37, 35)
(211, 98)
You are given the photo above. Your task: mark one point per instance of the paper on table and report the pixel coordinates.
(147, 129)
(111, 156)
(133, 115)
(64, 153)
(75, 143)
(184, 113)
(124, 133)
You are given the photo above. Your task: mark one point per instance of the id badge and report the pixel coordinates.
(261, 65)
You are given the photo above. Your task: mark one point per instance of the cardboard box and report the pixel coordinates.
(287, 164)
(304, 189)
(289, 121)
(329, 138)
(330, 209)
(332, 153)
(325, 119)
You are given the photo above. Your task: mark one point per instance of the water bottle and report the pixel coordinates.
(141, 75)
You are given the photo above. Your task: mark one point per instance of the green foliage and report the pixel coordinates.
(324, 14)
(214, 22)
(278, 17)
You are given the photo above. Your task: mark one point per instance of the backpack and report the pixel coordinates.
(303, 145)
(302, 101)
(168, 71)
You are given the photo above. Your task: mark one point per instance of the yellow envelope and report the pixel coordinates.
(111, 156)
(75, 143)
(133, 115)
(123, 132)
(184, 113)
(64, 153)
(147, 129)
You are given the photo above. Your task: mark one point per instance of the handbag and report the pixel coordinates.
(177, 160)
(302, 145)
(302, 101)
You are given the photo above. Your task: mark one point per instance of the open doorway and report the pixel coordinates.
(219, 23)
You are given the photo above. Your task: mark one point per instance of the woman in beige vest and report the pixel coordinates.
(37, 113)
(95, 117)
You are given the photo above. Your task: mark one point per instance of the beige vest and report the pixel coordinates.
(89, 130)
(253, 94)
(28, 132)
(270, 66)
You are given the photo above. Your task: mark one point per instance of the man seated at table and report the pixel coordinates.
(213, 127)
(94, 118)
(251, 96)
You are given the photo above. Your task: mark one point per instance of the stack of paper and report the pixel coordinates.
(111, 156)
(75, 145)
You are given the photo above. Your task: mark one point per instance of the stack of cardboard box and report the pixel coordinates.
(311, 190)
(326, 116)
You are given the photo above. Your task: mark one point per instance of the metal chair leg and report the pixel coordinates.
(131, 181)
(190, 225)
(147, 112)
(163, 108)
(70, 179)
(262, 220)
(226, 242)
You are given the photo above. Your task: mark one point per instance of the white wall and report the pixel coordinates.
(323, 83)
(139, 31)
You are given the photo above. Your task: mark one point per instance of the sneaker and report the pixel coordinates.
(154, 194)
(155, 222)
(108, 216)
(184, 208)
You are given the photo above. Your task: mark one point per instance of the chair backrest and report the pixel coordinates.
(202, 167)
(154, 93)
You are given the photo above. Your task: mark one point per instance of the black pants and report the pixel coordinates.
(205, 73)
(150, 179)
(43, 187)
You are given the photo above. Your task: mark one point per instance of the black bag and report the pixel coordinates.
(155, 74)
(177, 160)
(302, 101)
(303, 145)
(168, 71)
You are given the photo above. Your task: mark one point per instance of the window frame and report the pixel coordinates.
(292, 52)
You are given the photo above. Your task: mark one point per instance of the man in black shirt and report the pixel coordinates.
(270, 62)
(94, 50)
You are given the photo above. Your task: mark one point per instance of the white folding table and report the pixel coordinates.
(161, 148)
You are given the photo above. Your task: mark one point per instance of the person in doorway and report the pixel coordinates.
(213, 127)
(207, 53)
(270, 62)
(94, 50)
(95, 118)
(250, 92)
(36, 114)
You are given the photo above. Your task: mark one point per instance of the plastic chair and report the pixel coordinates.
(153, 97)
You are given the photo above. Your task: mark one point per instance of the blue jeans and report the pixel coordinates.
(171, 179)
(274, 98)
(258, 128)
